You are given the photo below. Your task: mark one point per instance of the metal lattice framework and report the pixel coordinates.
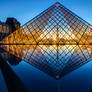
(57, 41)
(55, 60)
(55, 25)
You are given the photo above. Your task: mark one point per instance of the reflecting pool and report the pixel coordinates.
(47, 68)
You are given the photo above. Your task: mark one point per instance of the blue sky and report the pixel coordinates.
(25, 10)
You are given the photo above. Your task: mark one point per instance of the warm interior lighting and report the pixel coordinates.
(56, 25)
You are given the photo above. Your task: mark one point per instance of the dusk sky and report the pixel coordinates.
(25, 10)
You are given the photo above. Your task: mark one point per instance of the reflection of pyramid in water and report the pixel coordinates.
(57, 24)
(55, 60)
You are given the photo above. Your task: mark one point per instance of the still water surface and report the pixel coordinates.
(50, 68)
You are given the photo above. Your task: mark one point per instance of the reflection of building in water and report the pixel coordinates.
(55, 60)
(12, 59)
(13, 83)
(8, 27)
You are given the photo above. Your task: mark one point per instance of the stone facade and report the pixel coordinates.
(8, 27)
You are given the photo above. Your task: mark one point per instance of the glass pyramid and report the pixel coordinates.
(56, 25)
(54, 60)
(57, 41)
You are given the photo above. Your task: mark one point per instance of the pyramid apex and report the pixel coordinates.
(57, 4)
